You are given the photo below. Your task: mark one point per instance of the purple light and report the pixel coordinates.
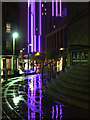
(52, 7)
(28, 24)
(31, 32)
(56, 111)
(39, 17)
(60, 8)
(39, 43)
(34, 30)
(39, 37)
(35, 43)
(40, 97)
(60, 112)
(28, 102)
(52, 112)
(56, 7)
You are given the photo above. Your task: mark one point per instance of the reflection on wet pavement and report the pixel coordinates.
(23, 99)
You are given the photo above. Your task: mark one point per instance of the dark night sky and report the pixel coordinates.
(23, 23)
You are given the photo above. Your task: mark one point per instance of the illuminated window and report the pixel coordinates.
(45, 1)
(54, 26)
(36, 29)
(42, 13)
(7, 45)
(45, 13)
(8, 28)
(45, 9)
(42, 5)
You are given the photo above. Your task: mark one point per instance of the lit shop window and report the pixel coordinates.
(36, 29)
(7, 45)
(42, 13)
(54, 26)
(8, 28)
(42, 5)
(45, 9)
(45, 13)
(45, 1)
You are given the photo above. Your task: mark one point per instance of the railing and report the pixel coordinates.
(51, 68)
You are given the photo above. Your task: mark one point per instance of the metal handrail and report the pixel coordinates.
(65, 51)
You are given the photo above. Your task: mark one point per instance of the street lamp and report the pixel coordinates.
(15, 35)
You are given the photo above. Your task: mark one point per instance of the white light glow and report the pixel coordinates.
(15, 35)
(16, 100)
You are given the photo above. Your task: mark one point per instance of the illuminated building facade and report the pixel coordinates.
(34, 26)
(43, 17)
(56, 32)
(10, 24)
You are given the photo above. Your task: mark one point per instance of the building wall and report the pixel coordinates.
(77, 32)
(56, 39)
(56, 28)
(10, 23)
(77, 23)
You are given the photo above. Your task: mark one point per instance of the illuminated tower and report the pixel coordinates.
(37, 24)
(34, 25)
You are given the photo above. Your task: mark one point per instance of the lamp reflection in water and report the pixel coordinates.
(32, 89)
(57, 112)
(35, 100)
(16, 100)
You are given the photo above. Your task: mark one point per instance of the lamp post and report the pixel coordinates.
(15, 35)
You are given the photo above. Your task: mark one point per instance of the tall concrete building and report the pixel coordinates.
(77, 32)
(43, 18)
(10, 24)
(56, 21)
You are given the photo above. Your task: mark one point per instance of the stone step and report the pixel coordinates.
(78, 72)
(74, 76)
(66, 100)
(68, 92)
(70, 85)
(73, 80)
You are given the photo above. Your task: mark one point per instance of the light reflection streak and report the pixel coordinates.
(52, 112)
(57, 112)
(33, 87)
(35, 105)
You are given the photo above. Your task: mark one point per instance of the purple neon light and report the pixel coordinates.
(34, 30)
(39, 37)
(60, 112)
(31, 32)
(28, 101)
(40, 97)
(52, 112)
(60, 8)
(40, 17)
(39, 43)
(52, 7)
(56, 7)
(28, 24)
(56, 111)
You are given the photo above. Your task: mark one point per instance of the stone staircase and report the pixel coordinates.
(71, 87)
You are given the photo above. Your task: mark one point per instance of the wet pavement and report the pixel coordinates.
(23, 99)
